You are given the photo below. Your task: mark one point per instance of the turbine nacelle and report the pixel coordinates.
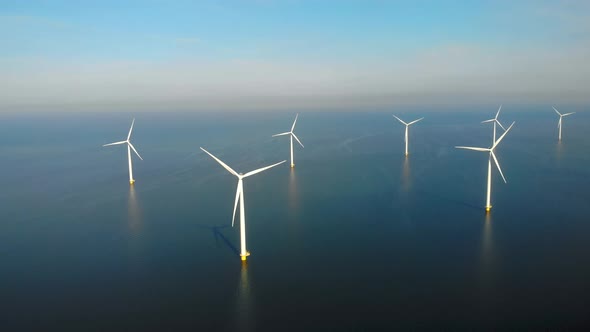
(292, 135)
(407, 124)
(495, 119)
(491, 150)
(562, 115)
(559, 123)
(407, 128)
(128, 141)
(129, 148)
(240, 176)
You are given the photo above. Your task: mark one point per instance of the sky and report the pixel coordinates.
(156, 55)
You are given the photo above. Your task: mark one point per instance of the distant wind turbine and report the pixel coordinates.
(491, 156)
(407, 125)
(292, 135)
(129, 147)
(560, 120)
(495, 121)
(240, 196)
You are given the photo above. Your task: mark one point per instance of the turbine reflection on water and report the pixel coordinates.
(134, 217)
(487, 253)
(134, 224)
(244, 301)
(558, 153)
(293, 208)
(406, 176)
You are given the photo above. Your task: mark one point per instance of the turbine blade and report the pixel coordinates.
(490, 120)
(116, 143)
(501, 137)
(229, 169)
(131, 145)
(261, 169)
(566, 114)
(400, 120)
(238, 192)
(130, 129)
(294, 122)
(472, 148)
(501, 126)
(298, 141)
(498, 113)
(415, 121)
(556, 111)
(498, 165)
(281, 134)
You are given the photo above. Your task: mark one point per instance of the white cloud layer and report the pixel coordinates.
(555, 70)
(451, 74)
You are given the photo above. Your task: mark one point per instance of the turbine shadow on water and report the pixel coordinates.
(218, 235)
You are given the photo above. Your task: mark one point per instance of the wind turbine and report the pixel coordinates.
(491, 156)
(129, 147)
(495, 121)
(240, 196)
(292, 135)
(407, 125)
(560, 119)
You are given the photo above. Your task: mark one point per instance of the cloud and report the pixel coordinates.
(450, 74)
(552, 71)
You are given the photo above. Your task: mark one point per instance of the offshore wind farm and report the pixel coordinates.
(372, 225)
(356, 226)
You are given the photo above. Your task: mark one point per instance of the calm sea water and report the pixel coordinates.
(356, 237)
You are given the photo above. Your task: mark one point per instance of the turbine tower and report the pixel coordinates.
(560, 120)
(407, 125)
(240, 197)
(491, 156)
(495, 121)
(292, 135)
(129, 147)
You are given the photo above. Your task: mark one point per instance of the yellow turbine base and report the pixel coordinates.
(131, 181)
(488, 208)
(292, 165)
(243, 257)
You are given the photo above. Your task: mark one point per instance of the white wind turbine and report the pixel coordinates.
(240, 196)
(407, 125)
(292, 135)
(560, 120)
(492, 156)
(129, 147)
(495, 121)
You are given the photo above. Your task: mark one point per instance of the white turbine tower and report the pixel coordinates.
(407, 125)
(129, 147)
(491, 156)
(240, 196)
(560, 120)
(292, 135)
(495, 121)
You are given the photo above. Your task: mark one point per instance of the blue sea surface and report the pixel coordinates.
(355, 237)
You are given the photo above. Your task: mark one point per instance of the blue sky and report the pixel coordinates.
(199, 55)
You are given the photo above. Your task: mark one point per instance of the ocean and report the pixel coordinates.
(355, 237)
